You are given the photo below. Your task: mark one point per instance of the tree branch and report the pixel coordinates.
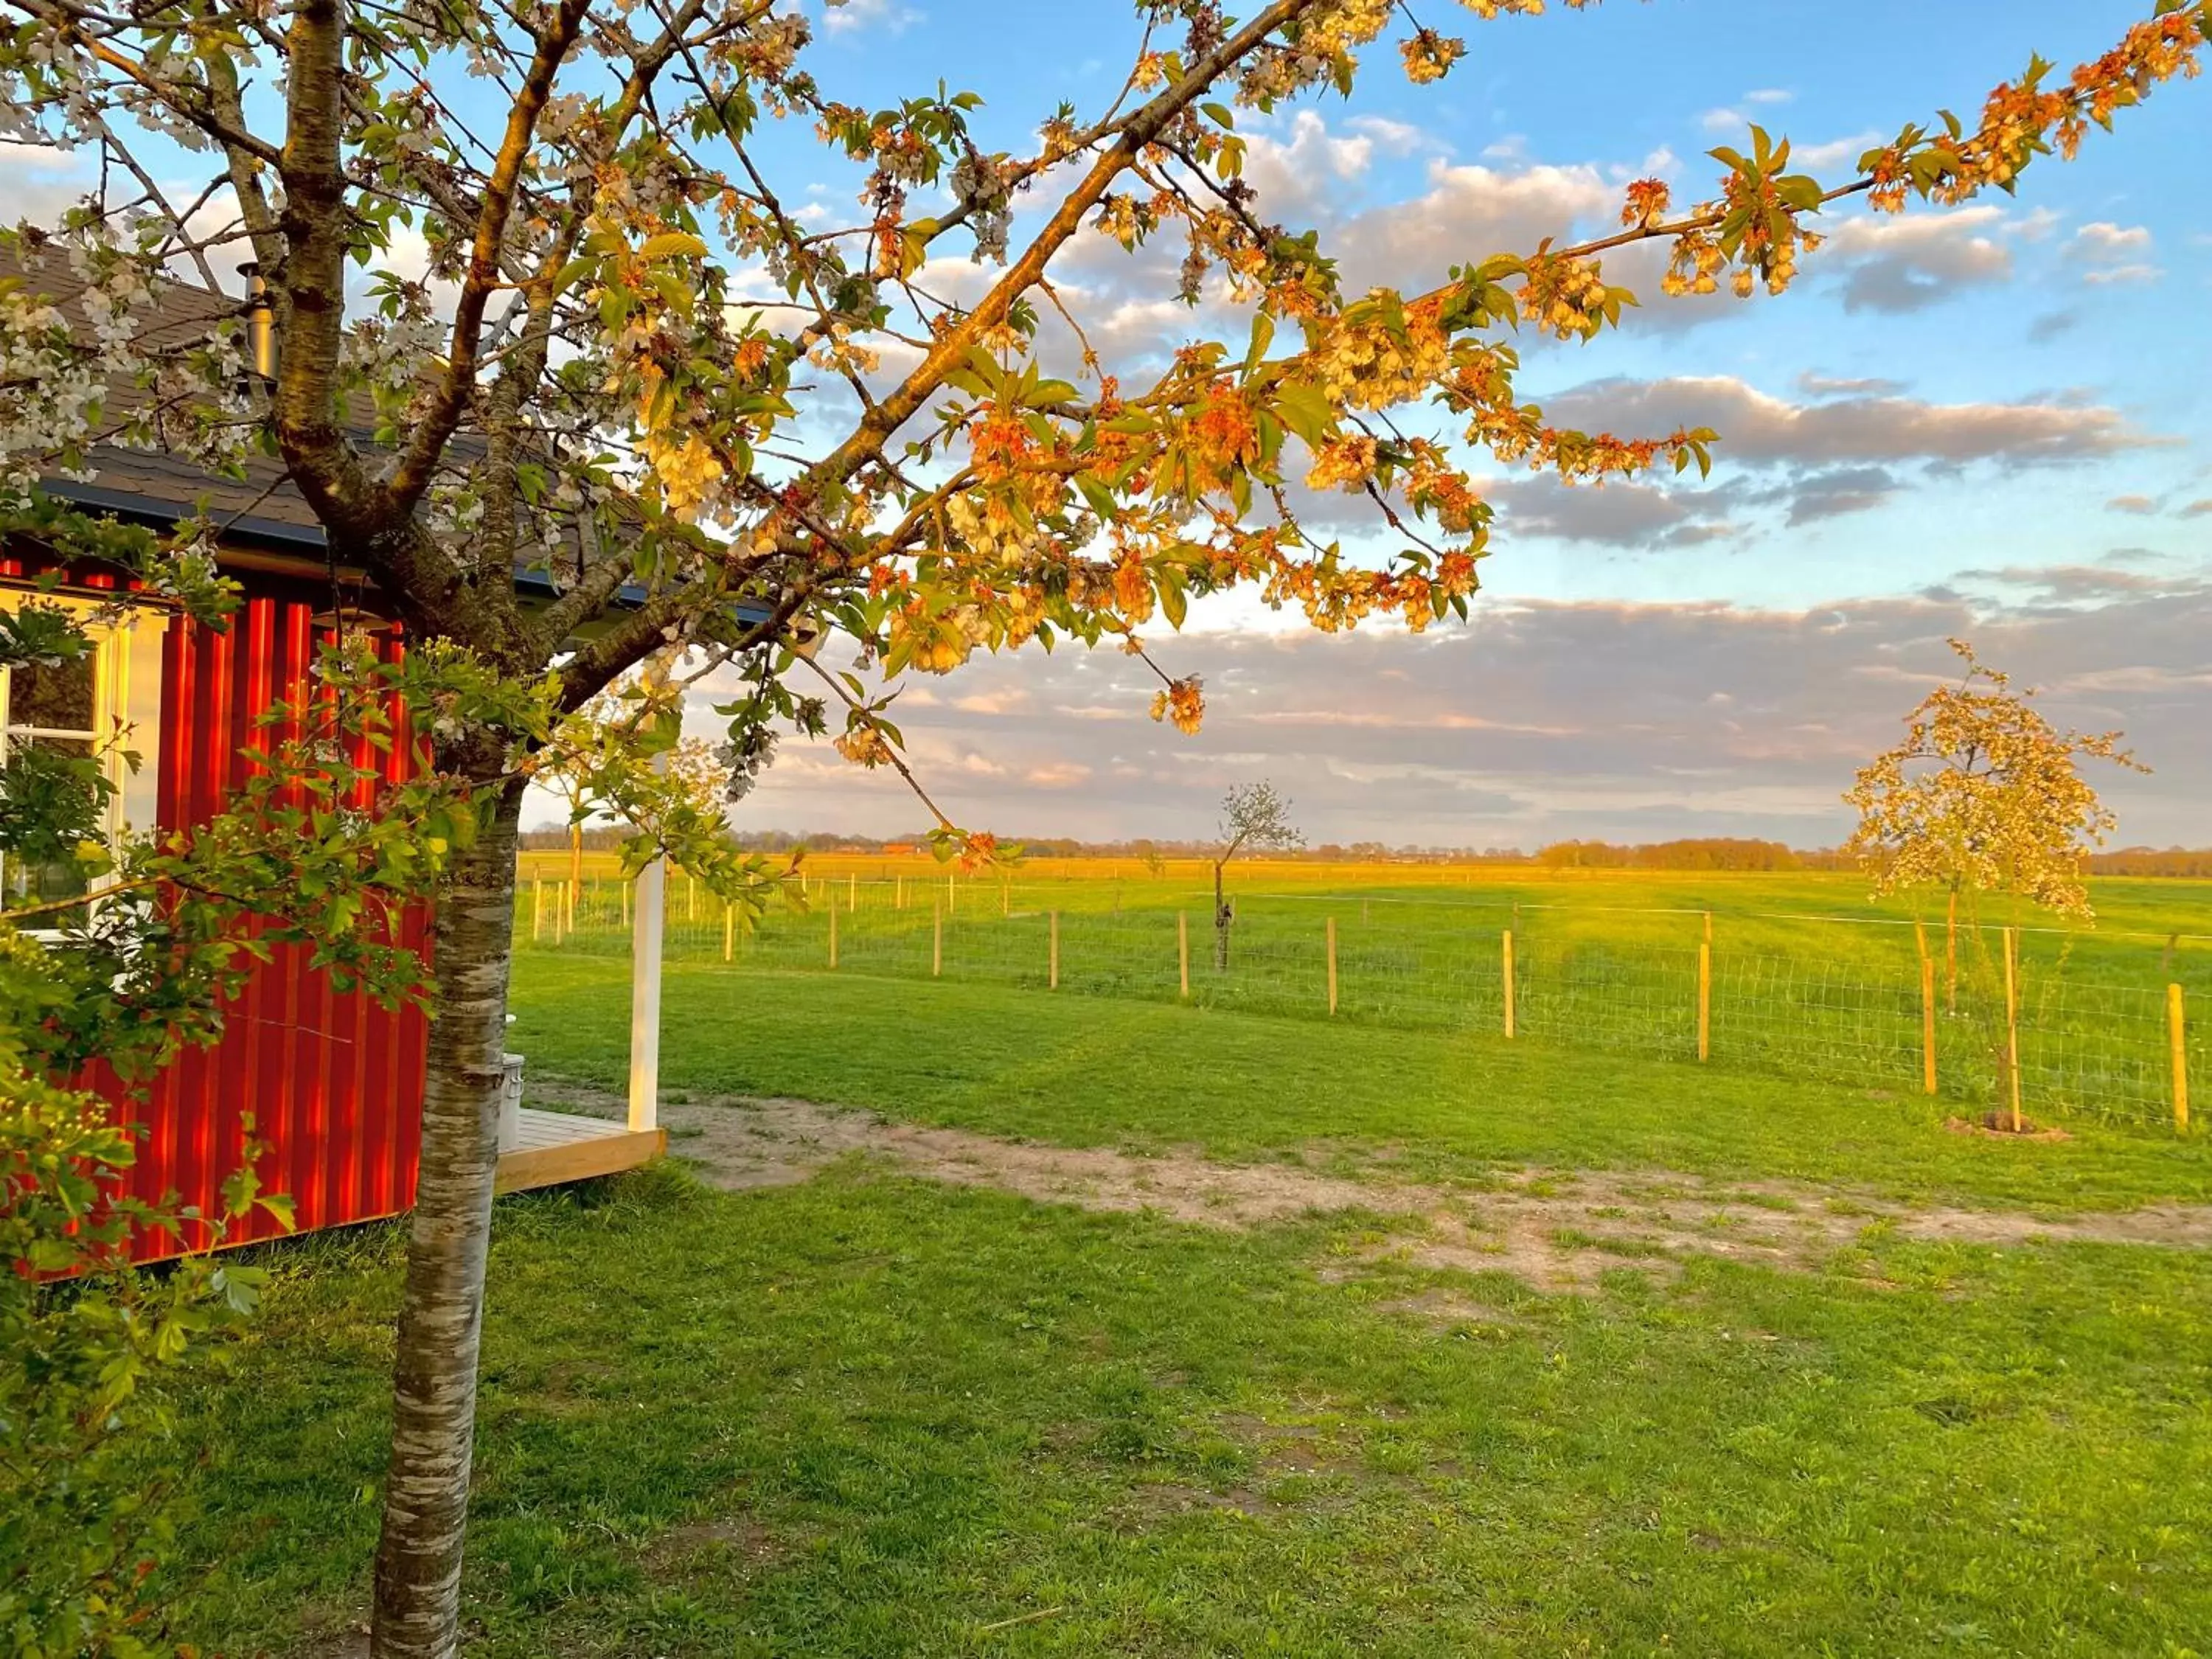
(878, 424)
(411, 476)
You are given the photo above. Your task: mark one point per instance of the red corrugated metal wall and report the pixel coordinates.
(334, 1081)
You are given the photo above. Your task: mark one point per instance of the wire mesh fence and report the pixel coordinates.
(2100, 1031)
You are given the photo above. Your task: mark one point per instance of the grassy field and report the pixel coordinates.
(2153, 908)
(1806, 977)
(874, 1415)
(1084, 1072)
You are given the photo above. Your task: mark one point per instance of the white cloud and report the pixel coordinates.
(1468, 212)
(1834, 152)
(1297, 175)
(1540, 720)
(1905, 263)
(43, 184)
(1618, 514)
(1057, 775)
(1394, 137)
(2114, 253)
(1823, 385)
(849, 17)
(1756, 426)
(1002, 701)
(2106, 243)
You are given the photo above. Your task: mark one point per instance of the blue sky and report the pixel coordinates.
(1988, 421)
(2006, 303)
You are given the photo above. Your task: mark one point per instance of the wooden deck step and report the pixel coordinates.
(555, 1147)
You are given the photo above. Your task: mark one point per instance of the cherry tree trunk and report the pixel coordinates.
(426, 1497)
(1222, 916)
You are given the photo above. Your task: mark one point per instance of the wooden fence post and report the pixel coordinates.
(729, 931)
(1509, 980)
(1182, 951)
(1705, 996)
(951, 897)
(537, 908)
(1331, 965)
(936, 940)
(853, 892)
(1927, 1024)
(898, 894)
(2012, 1021)
(1006, 898)
(1951, 954)
(833, 933)
(691, 898)
(2177, 1037)
(624, 887)
(1053, 982)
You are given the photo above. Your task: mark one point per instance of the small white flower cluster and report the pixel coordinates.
(388, 353)
(1364, 364)
(53, 382)
(1327, 36)
(454, 510)
(767, 51)
(978, 185)
(839, 353)
(975, 527)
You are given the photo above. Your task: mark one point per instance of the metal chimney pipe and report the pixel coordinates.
(260, 322)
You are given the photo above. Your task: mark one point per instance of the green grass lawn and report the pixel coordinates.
(871, 1415)
(1808, 978)
(1087, 1071)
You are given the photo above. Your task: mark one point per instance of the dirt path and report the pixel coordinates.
(1556, 1230)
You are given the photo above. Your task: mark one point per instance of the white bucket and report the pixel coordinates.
(510, 1103)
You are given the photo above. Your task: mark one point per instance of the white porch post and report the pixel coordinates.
(645, 938)
(645, 997)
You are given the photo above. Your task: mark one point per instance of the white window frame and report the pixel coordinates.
(126, 710)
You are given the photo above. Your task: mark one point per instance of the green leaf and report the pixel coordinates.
(1175, 604)
(1263, 332)
(914, 246)
(1101, 498)
(673, 245)
(1304, 409)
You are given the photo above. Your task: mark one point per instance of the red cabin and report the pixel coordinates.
(332, 1081)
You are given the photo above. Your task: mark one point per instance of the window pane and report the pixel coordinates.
(60, 696)
(80, 748)
(23, 882)
(50, 800)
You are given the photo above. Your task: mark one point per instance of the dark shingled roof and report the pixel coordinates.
(263, 506)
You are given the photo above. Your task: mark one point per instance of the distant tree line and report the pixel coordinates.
(2152, 861)
(1710, 853)
(1702, 852)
